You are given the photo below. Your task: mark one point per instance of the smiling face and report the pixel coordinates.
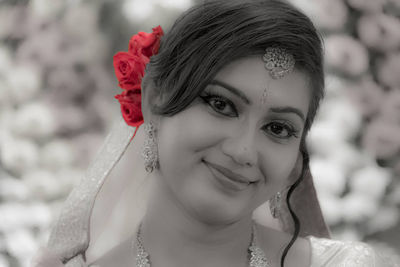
(230, 151)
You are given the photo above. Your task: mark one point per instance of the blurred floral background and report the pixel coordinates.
(56, 106)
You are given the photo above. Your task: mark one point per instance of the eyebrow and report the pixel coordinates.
(238, 93)
(232, 90)
(296, 111)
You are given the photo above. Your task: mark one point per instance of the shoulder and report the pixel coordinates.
(273, 242)
(328, 252)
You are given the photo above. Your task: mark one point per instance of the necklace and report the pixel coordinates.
(257, 257)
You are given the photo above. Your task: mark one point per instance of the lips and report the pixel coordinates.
(224, 175)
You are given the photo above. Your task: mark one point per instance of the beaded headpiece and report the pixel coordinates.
(278, 62)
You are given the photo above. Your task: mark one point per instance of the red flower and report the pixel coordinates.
(131, 106)
(129, 69)
(146, 44)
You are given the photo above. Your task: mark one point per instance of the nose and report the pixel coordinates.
(241, 147)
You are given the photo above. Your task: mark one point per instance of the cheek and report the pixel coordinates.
(183, 138)
(277, 164)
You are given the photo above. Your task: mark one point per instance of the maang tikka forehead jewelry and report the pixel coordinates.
(278, 62)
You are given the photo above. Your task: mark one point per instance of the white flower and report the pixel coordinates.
(34, 120)
(21, 244)
(346, 54)
(394, 196)
(385, 218)
(4, 95)
(348, 233)
(379, 31)
(5, 57)
(367, 96)
(347, 157)
(328, 177)
(358, 207)
(389, 70)
(6, 21)
(56, 154)
(324, 137)
(12, 188)
(46, 8)
(3, 261)
(371, 181)
(18, 156)
(390, 108)
(16, 215)
(42, 184)
(80, 21)
(39, 215)
(12, 216)
(342, 113)
(24, 82)
(331, 15)
(331, 208)
(368, 5)
(382, 139)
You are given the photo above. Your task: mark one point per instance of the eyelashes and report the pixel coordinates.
(220, 104)
(280, 129)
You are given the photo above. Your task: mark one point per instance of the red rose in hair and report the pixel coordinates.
(146, 44)
(129, 69)
(131, 106)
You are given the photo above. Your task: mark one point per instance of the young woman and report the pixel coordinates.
(227, 102)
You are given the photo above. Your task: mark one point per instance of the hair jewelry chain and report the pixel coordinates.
(256, 254)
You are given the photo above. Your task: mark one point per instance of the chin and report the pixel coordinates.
(214, 210)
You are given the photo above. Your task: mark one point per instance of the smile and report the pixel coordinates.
(227, 178)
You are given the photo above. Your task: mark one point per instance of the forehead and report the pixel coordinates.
(251, 77)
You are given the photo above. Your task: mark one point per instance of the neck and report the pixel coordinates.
(188, 239)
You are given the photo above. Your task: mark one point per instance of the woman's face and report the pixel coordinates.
(230, 151)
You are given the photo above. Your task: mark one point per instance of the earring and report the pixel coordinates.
(275, 205)
(149, 150)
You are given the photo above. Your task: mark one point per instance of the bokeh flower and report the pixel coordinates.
(379, 31)
(328, 178)
(330, 15)
(56, 154)
(385, 218)
(12, 189)
(346, 54)
(18, 155)
(24, 82)
(358, 207)
(367, 5)
(34, 120)
(390, 108)
(368, 96)
(43, 184)
(371, 181)
(389, 70)
(382, 139)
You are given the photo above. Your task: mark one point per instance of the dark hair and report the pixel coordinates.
(210, 35)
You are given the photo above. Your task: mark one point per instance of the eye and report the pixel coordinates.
(220, 104)
(281, 130)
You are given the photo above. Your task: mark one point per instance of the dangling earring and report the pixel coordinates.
(275, 205)
(149, 150)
